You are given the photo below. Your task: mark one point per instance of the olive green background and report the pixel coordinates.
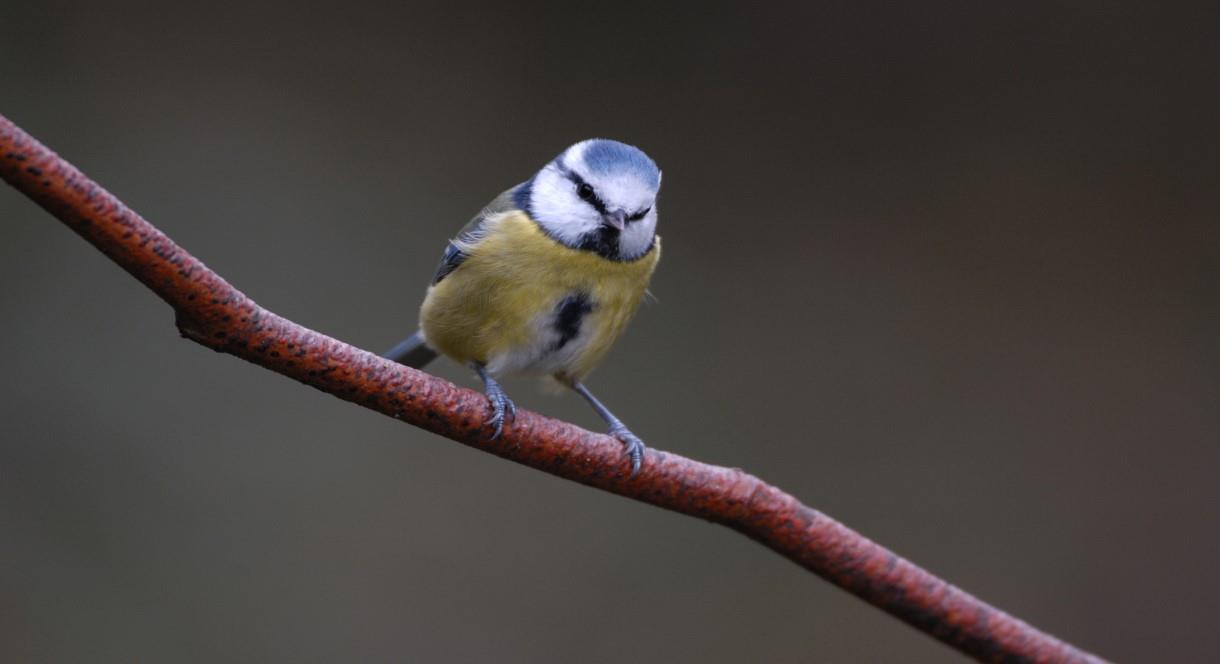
(946, 272)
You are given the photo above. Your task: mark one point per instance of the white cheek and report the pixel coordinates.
(637, 237)
(557, 208)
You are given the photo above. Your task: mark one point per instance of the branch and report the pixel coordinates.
(215, 314)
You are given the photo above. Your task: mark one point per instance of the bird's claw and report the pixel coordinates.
(634, 447)
(502, 409)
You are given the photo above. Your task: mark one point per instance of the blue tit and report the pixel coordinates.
(545, 278)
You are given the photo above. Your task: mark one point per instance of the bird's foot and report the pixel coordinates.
(502, 408)
(634, 446)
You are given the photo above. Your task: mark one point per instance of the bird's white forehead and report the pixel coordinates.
(623, 176)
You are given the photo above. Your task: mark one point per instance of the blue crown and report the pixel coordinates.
(605, 157)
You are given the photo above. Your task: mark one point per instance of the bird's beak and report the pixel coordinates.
(616, 219)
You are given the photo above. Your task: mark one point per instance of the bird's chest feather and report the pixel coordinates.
(523, 303)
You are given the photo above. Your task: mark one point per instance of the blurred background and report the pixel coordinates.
(947, 272)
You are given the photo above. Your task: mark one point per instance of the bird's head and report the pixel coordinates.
(599, 195)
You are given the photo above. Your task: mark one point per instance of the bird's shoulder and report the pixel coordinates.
(457, 249)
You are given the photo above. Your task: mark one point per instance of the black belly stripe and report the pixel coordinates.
(569, 313)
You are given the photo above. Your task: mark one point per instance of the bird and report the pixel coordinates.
(546, 277)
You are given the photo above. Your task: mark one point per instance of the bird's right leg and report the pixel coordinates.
(502, 407)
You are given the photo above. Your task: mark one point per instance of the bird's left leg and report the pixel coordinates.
(501, 406)
(635, 446)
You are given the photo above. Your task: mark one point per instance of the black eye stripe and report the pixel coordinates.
(582, 187)
(587, 193)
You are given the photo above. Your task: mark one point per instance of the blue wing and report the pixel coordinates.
(471, 233)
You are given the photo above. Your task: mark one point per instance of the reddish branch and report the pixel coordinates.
(217, 315)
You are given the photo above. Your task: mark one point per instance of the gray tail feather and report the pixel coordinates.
(412, 351)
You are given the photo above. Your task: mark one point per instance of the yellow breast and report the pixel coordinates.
(498, 303)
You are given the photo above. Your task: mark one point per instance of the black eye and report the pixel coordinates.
(639, 215)
(585, 191)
